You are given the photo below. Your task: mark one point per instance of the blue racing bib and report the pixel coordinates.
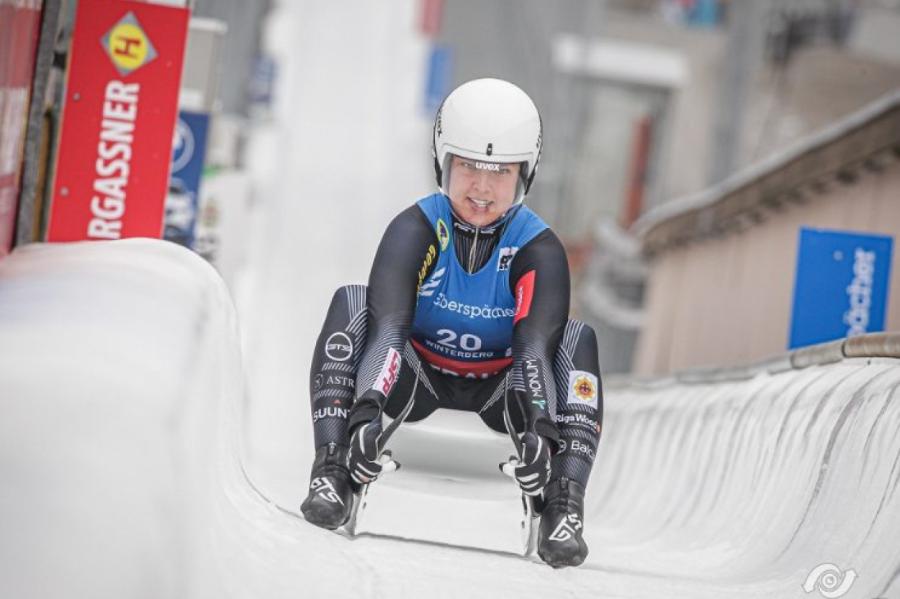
(463, 323)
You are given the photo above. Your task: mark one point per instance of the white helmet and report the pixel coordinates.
(490, 120)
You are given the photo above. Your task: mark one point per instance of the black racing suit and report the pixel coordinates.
(364, 322)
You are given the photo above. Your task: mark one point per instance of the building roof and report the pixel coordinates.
(867, 140)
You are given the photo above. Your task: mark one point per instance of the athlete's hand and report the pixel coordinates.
(363, 460)
(532, 471)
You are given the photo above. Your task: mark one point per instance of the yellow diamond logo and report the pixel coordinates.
(127, 45)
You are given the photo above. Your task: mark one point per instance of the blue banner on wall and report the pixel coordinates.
(840, 287)
(188, 155)
(437, 84)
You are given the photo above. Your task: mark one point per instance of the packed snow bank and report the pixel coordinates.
(115, 363)
(122, 409)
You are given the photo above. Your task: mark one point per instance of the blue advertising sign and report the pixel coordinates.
(703, 13)
(437, 84)
(188, 155)
(841, 285)
(262, 81)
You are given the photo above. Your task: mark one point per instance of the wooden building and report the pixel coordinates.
(722, 262)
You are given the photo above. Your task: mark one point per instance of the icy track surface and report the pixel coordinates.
(124, 476)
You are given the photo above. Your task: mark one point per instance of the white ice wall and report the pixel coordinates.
(116, 360)
(123, 476)
(749, 485)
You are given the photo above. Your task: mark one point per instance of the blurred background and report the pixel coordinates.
(688, 144)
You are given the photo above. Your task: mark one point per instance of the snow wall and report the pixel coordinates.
(116, 362)
(120, 450)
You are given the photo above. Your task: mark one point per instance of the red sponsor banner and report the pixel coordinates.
(20, 24)
(430, 17)
(115, 148)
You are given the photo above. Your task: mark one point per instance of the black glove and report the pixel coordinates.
(363, 460)
(532, 471)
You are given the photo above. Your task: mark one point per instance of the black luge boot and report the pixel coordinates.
(560, 541)
(330, 490)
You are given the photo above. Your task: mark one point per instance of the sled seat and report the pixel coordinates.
(451, 443)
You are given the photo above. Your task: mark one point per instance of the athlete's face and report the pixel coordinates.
(481, 192)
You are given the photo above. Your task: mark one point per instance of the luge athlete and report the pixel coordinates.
(468, 286)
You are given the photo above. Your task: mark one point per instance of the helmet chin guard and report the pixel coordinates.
(489, 120)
